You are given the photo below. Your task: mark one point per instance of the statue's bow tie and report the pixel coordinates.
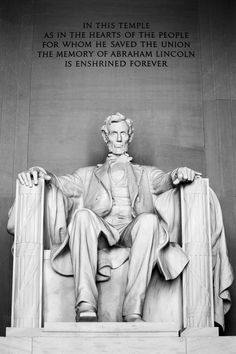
(124, 158)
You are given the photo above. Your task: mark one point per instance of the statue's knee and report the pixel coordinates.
(82, 216)
(148, 220)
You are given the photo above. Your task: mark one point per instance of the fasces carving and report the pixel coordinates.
(28, 256)
(196, 242)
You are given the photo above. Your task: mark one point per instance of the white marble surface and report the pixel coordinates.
(28, 252)
(200, 332)
(197, 276)
(59, 298)
(15, 345)
(110, 345)
(101, 329)
(58, 294)
(134, 329)
(117, 345)
(208, 345)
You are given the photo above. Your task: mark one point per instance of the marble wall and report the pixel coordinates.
(51, 115)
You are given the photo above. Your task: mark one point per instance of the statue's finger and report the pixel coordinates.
(29, 179)
(25, 179)
(183, 175)
(186, 174)
(197, 174)
(180, 176)
(176, 182)
(20, 178)
(192, 175)
(35, 176)
(47, 177)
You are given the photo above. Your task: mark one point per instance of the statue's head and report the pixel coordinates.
(117, 133)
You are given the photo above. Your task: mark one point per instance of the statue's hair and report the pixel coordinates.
(118, 117)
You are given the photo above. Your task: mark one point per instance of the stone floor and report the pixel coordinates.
(120, 338)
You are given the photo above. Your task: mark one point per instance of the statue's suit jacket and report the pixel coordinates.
(90, 186)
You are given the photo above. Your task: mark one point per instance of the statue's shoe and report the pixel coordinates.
(86, 313)
(133, 318)
(87, 316)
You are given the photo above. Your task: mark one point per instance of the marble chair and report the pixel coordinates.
(40, 295)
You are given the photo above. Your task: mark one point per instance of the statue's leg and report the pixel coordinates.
(84, 230)
(143, 237)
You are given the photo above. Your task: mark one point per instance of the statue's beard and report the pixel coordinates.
(117, 150)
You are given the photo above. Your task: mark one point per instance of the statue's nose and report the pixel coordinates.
(119, 137)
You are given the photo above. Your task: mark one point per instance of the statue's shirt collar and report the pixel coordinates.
(124, 158)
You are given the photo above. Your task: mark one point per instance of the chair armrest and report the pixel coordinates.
(28, 256)
(196, 242)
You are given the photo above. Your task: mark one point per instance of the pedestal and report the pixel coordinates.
(106, 338)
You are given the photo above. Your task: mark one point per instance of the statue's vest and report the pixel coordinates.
(98, 197)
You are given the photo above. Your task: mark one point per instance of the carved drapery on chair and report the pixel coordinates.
(28, 307)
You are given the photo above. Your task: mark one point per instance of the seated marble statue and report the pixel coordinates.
(116, 208)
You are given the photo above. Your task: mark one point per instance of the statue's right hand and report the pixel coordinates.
(30, 177)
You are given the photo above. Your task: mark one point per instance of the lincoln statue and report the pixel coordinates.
(116, 208)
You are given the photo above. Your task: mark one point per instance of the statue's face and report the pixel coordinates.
(118, 138)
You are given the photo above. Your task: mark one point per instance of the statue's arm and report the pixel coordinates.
(71, 185)
(162, 182)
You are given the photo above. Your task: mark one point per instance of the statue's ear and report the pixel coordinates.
(105, 137)
(131, 137)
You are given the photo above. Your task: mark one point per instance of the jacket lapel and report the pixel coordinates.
(134, 173)
(134, 176)
(102, 175)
